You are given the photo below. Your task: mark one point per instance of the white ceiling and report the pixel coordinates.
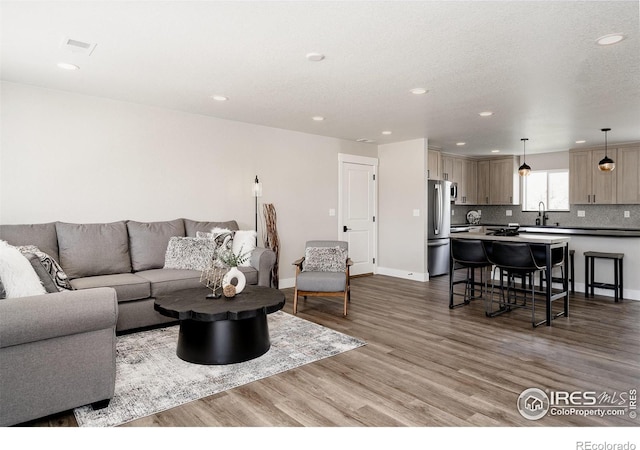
(535, 64)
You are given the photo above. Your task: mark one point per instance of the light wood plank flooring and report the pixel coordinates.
(426, 365)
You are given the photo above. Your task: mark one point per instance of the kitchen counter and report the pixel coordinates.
(576, 231)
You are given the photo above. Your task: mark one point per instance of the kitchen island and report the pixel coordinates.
(550, 242)
(610, 240)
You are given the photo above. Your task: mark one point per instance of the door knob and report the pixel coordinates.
(345, 229)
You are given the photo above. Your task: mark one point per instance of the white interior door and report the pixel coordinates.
(357, 213)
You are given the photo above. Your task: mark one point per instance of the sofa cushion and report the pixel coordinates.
(148, 242)
(41, 235)
(250, 274)
(192, 227)
(189, 253)
(128, 286)
(165, 281)
(321, 281)
(93, 249)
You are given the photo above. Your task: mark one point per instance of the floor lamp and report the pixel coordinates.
(257, 192)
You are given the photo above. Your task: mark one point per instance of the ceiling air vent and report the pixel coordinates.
(76, 46)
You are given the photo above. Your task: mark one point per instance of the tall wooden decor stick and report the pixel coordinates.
(271, 240)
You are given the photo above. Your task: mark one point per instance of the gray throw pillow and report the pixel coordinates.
(93, 249)
(324, 259)
(51, 266)
(43, 274)
(189, 253)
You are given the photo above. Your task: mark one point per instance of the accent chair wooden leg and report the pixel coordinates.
(346, 299)
(295, 301)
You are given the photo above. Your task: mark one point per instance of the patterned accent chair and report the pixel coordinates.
(323, 272)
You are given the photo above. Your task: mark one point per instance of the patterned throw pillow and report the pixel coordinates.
(325, 259)
(51, 266)
(189, 253)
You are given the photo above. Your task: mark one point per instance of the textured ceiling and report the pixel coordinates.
(535, 64)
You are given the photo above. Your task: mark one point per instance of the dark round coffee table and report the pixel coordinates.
(221, 331)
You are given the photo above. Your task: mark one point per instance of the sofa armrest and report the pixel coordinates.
(39, 317)
(263, 260)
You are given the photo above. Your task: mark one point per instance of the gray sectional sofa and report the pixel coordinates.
(57, 350)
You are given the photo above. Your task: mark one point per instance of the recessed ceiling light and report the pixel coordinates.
(386, 132)
(460, 144)
(419, 91)
(582, 141)
(495, 151)
(610, 39)
(220, 98)
(315, 57)
(318, 118)
(486, 113)
(67, 66)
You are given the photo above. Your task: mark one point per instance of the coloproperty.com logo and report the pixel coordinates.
(534, 403)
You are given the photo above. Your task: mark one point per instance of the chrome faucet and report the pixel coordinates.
(542, 213)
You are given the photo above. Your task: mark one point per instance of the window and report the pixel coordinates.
(548, 186)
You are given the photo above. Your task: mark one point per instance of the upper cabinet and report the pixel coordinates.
(448, 162)
(628, 180)
(504, 182)
(484, 182)
(587, 183)
(462, 171)
(433, 165)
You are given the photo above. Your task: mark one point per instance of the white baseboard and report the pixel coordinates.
(284, 283)
(628, 294)
(415, 276)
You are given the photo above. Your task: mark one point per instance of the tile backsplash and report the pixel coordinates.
(606, 216)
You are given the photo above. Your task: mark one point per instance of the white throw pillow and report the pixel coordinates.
(244, 242)
(17, 274)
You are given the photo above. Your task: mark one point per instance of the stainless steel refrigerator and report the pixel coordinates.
(439, 224)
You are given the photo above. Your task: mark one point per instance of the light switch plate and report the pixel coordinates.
(627, 214)
(332, 212)
(416, 213)
(509, 212)
(580, 213)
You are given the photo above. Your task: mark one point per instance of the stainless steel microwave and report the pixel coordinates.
(454, 192)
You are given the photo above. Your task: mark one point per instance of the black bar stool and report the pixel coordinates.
(466, 254)
(516, 259)
(589, 271)
(557, 260)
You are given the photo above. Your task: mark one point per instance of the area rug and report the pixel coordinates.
(150, 378)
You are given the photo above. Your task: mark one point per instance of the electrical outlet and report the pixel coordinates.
(332, 212)
(580, 213)
(627, 214)
(509, 213)
(453, 212)
(416, 213)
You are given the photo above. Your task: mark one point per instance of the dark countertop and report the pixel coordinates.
(572, 230)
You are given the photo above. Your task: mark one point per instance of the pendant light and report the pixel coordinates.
(524, 169)
(606, 164)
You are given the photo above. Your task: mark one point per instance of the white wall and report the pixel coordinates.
(76, 158)
(401, 191)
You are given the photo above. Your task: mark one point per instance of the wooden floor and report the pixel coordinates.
(426, 365)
